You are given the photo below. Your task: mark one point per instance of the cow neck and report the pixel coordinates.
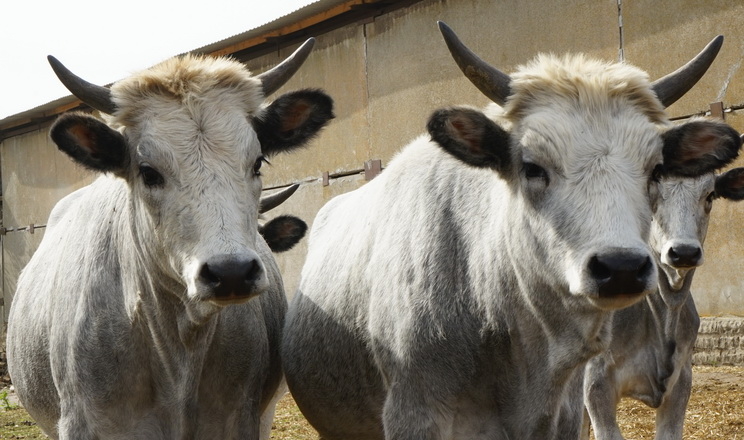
(155, 299)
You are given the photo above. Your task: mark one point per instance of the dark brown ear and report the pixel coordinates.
(699, 147)
(471, 137)
(283, 232)
(293, 120)
(90, 142)
(730, 185)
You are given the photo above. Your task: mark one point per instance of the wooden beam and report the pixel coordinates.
(294, 27)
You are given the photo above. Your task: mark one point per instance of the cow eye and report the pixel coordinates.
(257, 165)
(150, 176)
(532, 171)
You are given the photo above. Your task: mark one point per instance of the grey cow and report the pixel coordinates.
(650, 357)
(153, 308)
(460, 293)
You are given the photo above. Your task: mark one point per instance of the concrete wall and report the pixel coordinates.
(388, 75)
(35, 175)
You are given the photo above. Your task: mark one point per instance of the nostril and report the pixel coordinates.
(646, 269)
(207, 276)
(253, 271)
(685, 255)
(599, 270)
(231, 275)
(621, 273)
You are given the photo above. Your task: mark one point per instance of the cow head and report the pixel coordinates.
(189, 137)
(681, 215)
(578, 143)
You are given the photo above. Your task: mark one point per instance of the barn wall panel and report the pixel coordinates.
(661, 35)
(35, 175)
(336, 65)
(389, 73)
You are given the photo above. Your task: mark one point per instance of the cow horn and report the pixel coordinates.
(674, 85)
(281, 73)
(272, 201)
(489, 80)
(95, 96)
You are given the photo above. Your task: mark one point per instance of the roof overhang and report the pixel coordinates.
(315, 19)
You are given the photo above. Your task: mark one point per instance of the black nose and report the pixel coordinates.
(685, 255)
(621, 273)
(231, 276)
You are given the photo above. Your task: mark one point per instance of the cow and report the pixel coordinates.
(153, 308)
(460, 293)
(650, 356)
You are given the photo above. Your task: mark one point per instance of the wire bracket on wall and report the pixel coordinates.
(30, 228)
(716, 110)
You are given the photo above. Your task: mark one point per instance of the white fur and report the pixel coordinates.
(110, 336)
(640, 362)
(443, 301)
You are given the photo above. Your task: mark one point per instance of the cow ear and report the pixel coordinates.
(699, 147)
(471, 136)
(283, 232)
(90, 142)
(730, 185)
(292, 120)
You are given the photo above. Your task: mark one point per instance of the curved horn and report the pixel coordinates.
(281, 73)
(674, 85)
(490, 81)
(95, 96)
(272, 201)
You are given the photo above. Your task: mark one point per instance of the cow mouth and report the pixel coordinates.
(223, 300)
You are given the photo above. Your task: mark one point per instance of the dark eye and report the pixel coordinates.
(257, 165)
(532, 171)
(150, 176)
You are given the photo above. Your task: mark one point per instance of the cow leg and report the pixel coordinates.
(670, 416)
(73, 426)
(601, 399)
(411, 413)
(267, 416)
(572, 416)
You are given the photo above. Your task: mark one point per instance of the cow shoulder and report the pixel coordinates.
(471, 137)
(699, 146)
(90, 142)
(293, 120)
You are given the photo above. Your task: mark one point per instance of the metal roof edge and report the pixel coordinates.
(282, 30)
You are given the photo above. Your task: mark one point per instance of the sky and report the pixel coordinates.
(103, 41)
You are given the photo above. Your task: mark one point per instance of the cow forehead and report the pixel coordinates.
(589, 83)
(186, 81)
(690, 189)
(576, 140)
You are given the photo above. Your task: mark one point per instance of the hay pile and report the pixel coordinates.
(715, 410)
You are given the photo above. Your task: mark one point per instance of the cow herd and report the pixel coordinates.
(512, 274)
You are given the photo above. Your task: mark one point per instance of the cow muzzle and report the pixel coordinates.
(622, 275)
(683, 255)
(231, 278)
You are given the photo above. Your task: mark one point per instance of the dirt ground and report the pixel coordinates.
(715, 410)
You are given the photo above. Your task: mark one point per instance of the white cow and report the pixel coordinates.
(459, 293)
(153, 308)
(650, 357)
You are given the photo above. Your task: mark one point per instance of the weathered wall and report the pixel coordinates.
(35, 175)
(389, 74)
